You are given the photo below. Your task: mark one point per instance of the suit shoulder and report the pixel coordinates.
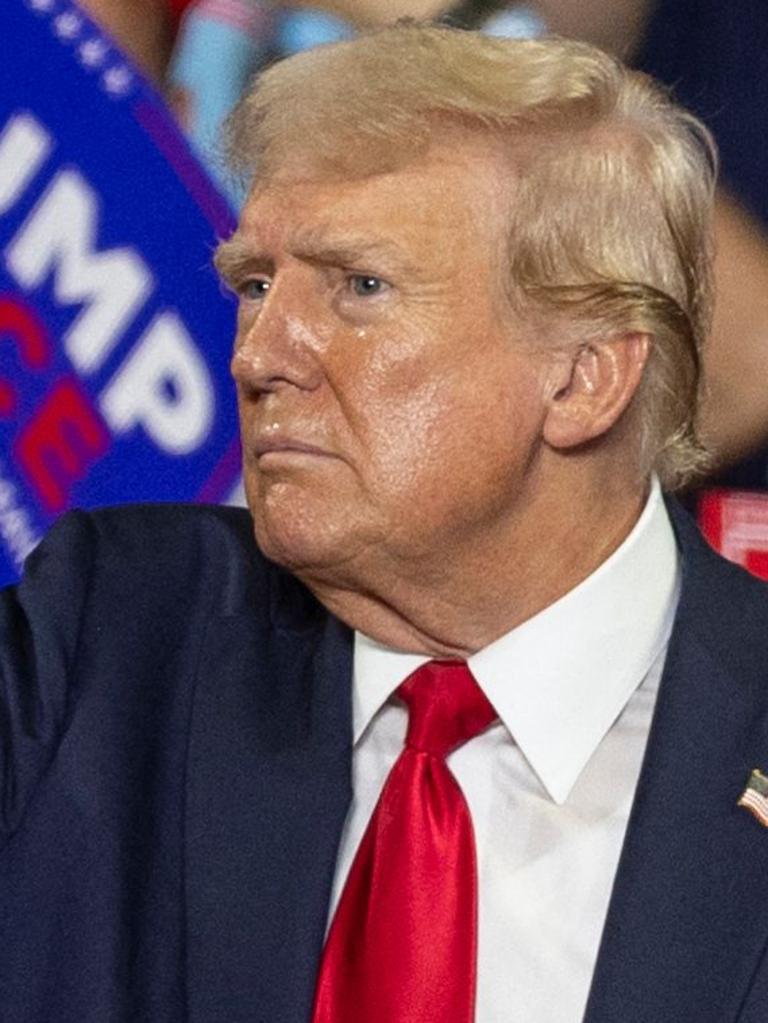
(149, 556)
(174, 523)
(182, 551)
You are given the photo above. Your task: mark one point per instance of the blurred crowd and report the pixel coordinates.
(202, 53)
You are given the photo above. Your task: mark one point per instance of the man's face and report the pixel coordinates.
(390, 406)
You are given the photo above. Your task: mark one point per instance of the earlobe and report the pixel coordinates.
(594, 388)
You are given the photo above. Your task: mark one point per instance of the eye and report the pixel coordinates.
(254, 289)
(366, 285)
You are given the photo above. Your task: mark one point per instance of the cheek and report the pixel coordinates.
(418, 440)
(480, 429)
(402, 429)
(390, 400)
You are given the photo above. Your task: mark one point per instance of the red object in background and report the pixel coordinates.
(735, 523)
(177, 8)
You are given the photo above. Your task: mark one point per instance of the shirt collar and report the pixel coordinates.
(560, 680)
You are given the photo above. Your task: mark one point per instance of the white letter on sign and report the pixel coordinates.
(59, 237)
(163, 386)
(24, 145)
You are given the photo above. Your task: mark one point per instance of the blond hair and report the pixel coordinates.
(611, 183)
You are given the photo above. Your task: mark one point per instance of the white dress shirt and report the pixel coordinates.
(550, 785)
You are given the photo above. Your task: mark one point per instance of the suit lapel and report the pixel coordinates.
(267, 794)
(688, 917)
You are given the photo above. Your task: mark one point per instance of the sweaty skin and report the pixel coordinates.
(394, 412)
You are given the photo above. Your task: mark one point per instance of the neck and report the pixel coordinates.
(453, 602)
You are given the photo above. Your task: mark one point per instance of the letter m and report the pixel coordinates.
(59, 239)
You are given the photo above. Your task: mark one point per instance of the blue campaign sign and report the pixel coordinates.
(114, 333)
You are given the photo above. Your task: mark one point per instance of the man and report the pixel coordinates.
(473, 281)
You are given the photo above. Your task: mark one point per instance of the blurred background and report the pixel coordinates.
(199, 55)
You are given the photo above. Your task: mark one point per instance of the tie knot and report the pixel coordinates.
(446, 707)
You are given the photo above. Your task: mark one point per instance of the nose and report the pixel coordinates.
(278, 346)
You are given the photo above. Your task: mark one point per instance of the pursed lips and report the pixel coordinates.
(287, 445)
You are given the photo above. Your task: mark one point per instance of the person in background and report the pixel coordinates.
(143, 28)
(222, 43)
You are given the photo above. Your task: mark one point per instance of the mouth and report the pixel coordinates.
(269, 447)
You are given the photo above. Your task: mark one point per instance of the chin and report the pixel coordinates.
(306, 530)
(298, 541)
(292, 551)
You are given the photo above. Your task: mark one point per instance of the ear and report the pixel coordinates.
(591, 389)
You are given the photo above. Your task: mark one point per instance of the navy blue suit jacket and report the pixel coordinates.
(175, 773)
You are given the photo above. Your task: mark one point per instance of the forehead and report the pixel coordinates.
(463, 193)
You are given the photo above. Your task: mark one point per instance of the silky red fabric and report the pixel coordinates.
(402, 946)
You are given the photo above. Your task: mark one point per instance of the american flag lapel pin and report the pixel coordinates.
(755, 797)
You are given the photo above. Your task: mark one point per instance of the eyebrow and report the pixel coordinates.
(233, 258)
(236, 256)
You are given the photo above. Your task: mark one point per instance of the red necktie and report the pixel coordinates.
(402, 946)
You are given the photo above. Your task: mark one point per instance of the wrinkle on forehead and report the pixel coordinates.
(345, 213)
(455, 147)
